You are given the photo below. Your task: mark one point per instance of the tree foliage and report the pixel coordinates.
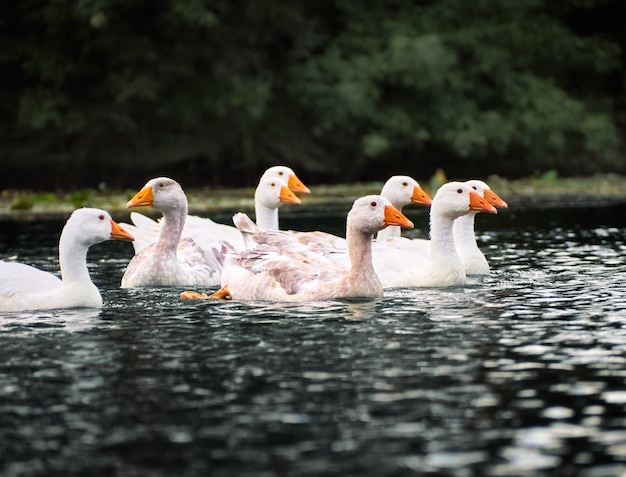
(215, 90)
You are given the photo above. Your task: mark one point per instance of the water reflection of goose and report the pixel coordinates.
(283, 268)
(23, 287)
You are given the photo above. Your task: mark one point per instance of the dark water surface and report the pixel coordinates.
(521, 373)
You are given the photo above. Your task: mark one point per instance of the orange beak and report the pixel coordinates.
(394, 217)
(478, 204)
(118, 233)
(296, 185)
(143, 197)
(287, 196)
(420, 197)
(494, 199)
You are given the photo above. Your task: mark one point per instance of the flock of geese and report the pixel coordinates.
(258, 261)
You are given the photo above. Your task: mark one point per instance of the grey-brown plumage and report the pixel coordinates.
(300, 267)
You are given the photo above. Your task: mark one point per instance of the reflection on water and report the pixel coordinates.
(522, 372)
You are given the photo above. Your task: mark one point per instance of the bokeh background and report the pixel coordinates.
(211, 92)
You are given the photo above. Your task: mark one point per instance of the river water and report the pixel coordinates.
(520, 373)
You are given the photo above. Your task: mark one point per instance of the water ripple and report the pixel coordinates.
(519, 373)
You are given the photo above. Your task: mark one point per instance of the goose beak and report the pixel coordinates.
(394, 217)
(287, 196)
(296, 185)
(478, 204)
(118, 233)
(143, 197)
(494, 199)
(420, 197)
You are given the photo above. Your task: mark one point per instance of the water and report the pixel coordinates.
(521, 373)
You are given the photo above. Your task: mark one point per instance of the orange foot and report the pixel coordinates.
(222, 293)
(192, 295)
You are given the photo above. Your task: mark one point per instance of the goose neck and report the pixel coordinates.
(441, 236)
(266, 217)
(359, 251)
(464, 237)
(172, 229)
(73, 259)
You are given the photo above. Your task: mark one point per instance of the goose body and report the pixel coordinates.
(285, 267)
(23, 287)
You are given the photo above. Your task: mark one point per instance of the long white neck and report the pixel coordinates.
(266, 217)
(172, 229)
(73, 259)
(473, 259)
(464, 237)
(442, 249)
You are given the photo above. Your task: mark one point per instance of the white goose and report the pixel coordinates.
(282, 268)
(268, 197)
(474, 261)
(171, 261)
(23, 287)
(443, 266)
(401, 191)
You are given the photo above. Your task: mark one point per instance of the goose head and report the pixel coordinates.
(162, 193)
(289, 176)
(404, 190)
(372, 213)
(489, 195)
(273, 192)
(92, 226)
(455, 199)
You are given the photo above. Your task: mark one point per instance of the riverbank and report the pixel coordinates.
(545, 191)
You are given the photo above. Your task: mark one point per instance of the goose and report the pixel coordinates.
(401, 191)
(443, 265)
(171, 261)
(25, 288)
(474, 261)
(440, 265)
(282, 268)
(276, 187)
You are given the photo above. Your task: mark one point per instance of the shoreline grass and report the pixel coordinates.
(544, 191)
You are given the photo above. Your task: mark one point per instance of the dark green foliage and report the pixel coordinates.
(212, 92)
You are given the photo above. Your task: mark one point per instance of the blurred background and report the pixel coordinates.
(212, 92)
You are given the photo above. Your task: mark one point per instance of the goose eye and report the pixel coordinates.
(460, 191)
(474, 187)
(101, 217)
(273, 184)
(405, 184)
(280, 173)
(373, 204)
